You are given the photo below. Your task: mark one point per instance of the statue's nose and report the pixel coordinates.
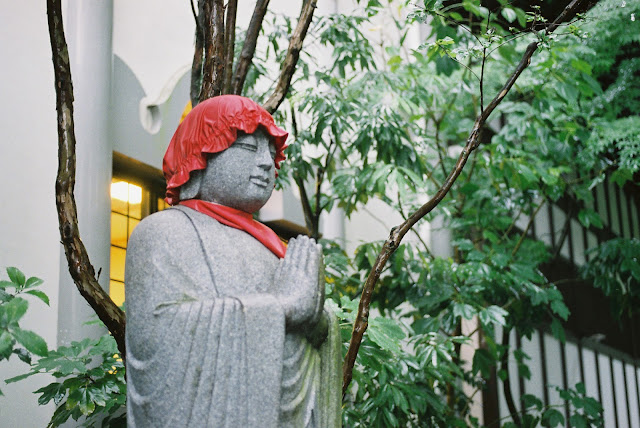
(264, 158)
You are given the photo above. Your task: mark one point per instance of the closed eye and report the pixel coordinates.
(247, 146)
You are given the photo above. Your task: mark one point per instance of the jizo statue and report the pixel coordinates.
(225, 324)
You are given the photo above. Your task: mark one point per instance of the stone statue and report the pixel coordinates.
(225, 325)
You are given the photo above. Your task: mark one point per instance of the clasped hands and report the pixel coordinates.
(299, 280)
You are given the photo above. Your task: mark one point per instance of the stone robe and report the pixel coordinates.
(207, 344)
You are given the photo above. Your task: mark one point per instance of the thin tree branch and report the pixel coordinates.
(198, 57)
(564, 234)
(320, 173)
(80, 267)
(306, 205)
(249, 46)
(290, 61)
(193, 11)
(212, 15)
(506, 384)
(512, 225)
(526, 229)
(441, 151)
(415, 232)
(317, 209)
(304, 197)
(229, 43)
(484, 60)
(397, 233)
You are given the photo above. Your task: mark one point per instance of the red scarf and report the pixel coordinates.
(239, 220)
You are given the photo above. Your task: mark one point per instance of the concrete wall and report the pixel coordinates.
(28, 163)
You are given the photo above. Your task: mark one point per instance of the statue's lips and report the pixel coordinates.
(259, 181)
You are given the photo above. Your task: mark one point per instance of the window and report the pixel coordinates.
(132, 199)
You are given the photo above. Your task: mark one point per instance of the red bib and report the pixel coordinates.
(239, 220)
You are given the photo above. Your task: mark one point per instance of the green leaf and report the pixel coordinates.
(557, 330)
(5, 284)
(86, 404)
(483, 361)
(31, 341)
(386, 333)
(6, 344)
(463, 310)
(19, 377)
(581, 65)
(54, 391)
(490, 236)
(40, 295)
(497, 315)
(560, 309)
(578, 421)
(15, 310)
(527, 173)
(589, 217)
(530, 400)
(16, 275)
(33, 282)
(60, 416)
(23, 355)
(509, 14)
(552, 418)
(621, 176)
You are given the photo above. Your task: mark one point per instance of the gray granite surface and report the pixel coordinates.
(220, 331)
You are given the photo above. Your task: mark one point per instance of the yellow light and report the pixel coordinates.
(120, 191)
(135, 194)
(125, 192)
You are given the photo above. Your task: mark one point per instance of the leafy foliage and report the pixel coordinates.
(90, 383)
(90, 374)
(614, 267)
(391, 131)
(13, 339)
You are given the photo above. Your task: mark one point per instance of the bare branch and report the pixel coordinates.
(212, 18)
(506, 383)
(198, 56)
(193, 12)
(527, 228)
(415, 232)
(249, 46)
(80, 267)
(229, 43)
(484, 60)
(290, 61)
(397, 233)
(306, 205)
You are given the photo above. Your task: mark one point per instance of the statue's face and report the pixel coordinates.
(242, 176)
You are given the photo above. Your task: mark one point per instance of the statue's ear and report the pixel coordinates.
(191, 189)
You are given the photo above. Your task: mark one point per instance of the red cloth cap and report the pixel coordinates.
(211, 127)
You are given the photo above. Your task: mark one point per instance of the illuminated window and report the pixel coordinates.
(130, 203)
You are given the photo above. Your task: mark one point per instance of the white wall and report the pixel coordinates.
(28, 163)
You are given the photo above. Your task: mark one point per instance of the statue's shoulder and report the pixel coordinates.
(170, 225)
